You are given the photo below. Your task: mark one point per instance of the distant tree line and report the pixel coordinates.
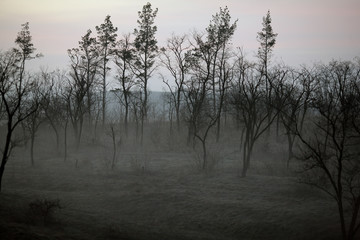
(211, 86)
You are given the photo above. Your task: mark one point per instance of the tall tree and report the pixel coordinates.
(267, 40)
(53, 104)
(201, 116)
(14, 88)
(175, 59)
(106, 41)
(76, 91)
(219, 33)
(90, 62)
(124, 60)
(38, 94)
(146, 50)
(249, 97)
(330, 142)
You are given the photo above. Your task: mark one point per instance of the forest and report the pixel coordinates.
(235, 148)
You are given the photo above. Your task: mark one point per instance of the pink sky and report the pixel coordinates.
(309, 30)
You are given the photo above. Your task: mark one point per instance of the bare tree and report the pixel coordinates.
(124, 56)
(37, 96)
(90, 63)
(114, 132)
(267, 40)
(292, 95)
(250, 98)
(106, 42)
(330, 146)
(146, 50)
(75, 94)
(14, 89)
(52, 103)
(201, 116)
(175, 59)
(219, 33)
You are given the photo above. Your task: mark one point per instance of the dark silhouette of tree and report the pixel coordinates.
(292, 94)
(52, 103)
(124, 56)
(267, 40)
(145, 52)
(37, 96)
(76, 88)
(14, 89)
(330, 143)
(174, 57)
(249, 96)
(200, 115)
(219, 33)
(106, 38)
(90, 64)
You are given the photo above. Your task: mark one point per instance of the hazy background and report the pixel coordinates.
(309, 30)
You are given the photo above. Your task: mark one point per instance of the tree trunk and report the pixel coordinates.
(245, 162)
(65, 141)
(56, 134)
(353, 229)
(126, 119)
(247, 152)
(218, 129)
(171, 124)
(190, 135)
(104, 93)
(5, 153)
(178, 119)
(342, 218)
(32, 149)
(2, 170)
(142, 130)
(290, 149)
(114, 147)
(205, 163)
(277, 127)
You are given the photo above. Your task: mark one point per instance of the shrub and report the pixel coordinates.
(43, 210)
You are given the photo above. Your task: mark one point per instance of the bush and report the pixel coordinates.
(43, 210)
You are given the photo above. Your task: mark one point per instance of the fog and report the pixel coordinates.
(235, 147)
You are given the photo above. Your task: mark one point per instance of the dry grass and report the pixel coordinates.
(170, 200)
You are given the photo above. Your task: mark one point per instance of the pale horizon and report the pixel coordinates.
(308, 31)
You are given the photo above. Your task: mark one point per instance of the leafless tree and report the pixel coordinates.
(146, 50)
(330, 142)
(174, 57)
(52, 103)
(200, 115)
(106, 38)
(249, 96)
(76, 88)
(124, 57)
(37, 95)
(14, 90)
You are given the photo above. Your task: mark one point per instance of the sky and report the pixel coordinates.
(309, 31)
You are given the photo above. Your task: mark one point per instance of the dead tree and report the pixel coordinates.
(329, 144)
(124, 57)
(14, 89)
(174, 57)
(250, 97)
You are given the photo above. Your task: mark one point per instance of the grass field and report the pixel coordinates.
(160, 195)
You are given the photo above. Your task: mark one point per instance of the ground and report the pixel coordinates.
(159, 195)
